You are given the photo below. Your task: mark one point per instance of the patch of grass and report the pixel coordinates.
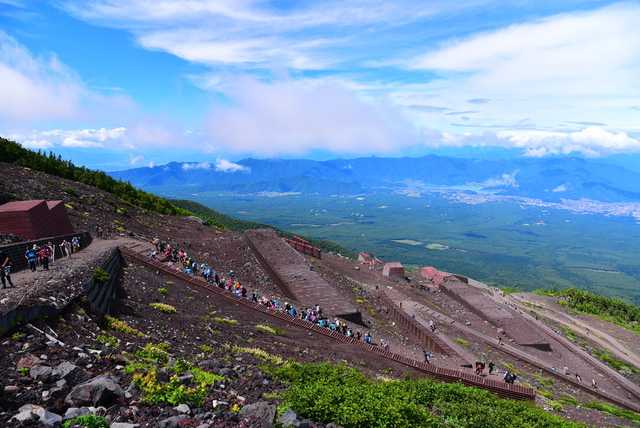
(606, 408)
(545, 394)
(162, 307)
(461, 341)
(226, 320)
(278, 331)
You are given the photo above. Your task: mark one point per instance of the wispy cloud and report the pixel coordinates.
(198, 165)
(505, 180)
(296, 117)
(224, 165)
(479, 101)
(344, 77)
(35, 87)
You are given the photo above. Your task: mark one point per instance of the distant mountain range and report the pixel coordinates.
(546, 179)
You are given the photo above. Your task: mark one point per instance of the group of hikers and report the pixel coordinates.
(37, 255)
(509, 377)
(42, 255)
(480, 366)
(180, 260)
(103, 233)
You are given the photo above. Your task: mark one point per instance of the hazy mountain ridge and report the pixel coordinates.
(547, 179)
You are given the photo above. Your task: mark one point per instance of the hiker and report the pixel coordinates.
(427, 356)
(578, 378)
(75, 241)
(492, 364)
(432, 326)
(593, 383)
(5, 269)
(44, 254)
(52, 258)
(566, 371)
(66, 248)
(31, 255)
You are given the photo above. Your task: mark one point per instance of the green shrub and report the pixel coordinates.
(88, 421)
(163, 291)
(71, 191)
(461, 341)
(556, 406)
(227, 320)
(343, 395)
(545, 394)
(100, 276)
(167, 309)
(111, 341)
(113, 324)
(172, 392)
(568, 400)
(278, 331)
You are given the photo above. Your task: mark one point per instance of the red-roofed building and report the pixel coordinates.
(394, 270)
(35, 219)
(434, 274)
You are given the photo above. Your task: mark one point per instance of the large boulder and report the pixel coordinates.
(41, 372)
(32, 412)
(292, 419)
(71, 373)
(265, 411)
(101, 391)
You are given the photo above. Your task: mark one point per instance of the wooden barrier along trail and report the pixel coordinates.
(441, 374)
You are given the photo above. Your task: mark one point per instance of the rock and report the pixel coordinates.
(41, 372)
(216, 403)
(164, 374)
(71, 373)
(227, 372)
(96, 392)
(28, 361)
(186, 378)
(240, 369)
(183, 408)
(292, 419)
(123, 425)
(32, 412)
(74, 412)
(265, 411)
(172, 422)
(209, 364)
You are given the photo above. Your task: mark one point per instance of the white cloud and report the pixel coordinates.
(593, 141)
(224, 165)
(560, 188)
(198, 165)
(296, 117)
(40, 88)
(505, 180)
(581, 67)
(135, 159)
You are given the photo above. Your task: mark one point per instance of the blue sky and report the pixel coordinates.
(115, 84)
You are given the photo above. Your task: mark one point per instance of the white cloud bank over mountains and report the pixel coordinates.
(344, 77)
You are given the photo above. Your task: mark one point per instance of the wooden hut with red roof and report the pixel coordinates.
(35, 219)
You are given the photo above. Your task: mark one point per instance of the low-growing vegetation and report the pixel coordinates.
(162, 307)
(346, 397)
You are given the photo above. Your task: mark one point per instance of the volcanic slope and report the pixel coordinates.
(202, 319)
